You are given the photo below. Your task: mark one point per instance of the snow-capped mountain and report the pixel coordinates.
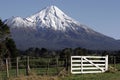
(52, 28)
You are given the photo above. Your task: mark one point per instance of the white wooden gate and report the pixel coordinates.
(89, 64)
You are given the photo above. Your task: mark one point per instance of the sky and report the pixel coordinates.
(101, 15)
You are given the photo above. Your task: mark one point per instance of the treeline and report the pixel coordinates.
(64, 53)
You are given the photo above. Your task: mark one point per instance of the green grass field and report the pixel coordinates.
(41, 70)
(33, 71)
(100, 76)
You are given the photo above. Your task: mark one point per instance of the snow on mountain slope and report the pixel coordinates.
(54, 18)
(51, 17)
(51, 28)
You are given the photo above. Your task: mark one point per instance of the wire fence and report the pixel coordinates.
(31, 65)
(41, 66)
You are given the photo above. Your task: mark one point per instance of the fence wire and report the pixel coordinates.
(30, 65)
(40, 66)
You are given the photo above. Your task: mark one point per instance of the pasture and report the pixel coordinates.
(52, 69)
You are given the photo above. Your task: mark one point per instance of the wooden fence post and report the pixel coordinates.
(17, 72)
(114, 61)
(7, 70)
(66, 64)
(27, 66)
(57, 65)
(48, 66)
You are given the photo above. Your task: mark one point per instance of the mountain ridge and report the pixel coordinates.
(52, 28)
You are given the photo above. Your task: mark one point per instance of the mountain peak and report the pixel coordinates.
(48, 11)
(52, 7)
(52, 17)
(54, 10)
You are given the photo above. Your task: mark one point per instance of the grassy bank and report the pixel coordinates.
(100, 76)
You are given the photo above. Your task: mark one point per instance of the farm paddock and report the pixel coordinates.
(54, 69)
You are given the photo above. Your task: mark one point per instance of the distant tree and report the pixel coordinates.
(4, 29)
(105, 53)
(7, 46)
(53, 54)
(11, 47)
(1, 23)
(66, 53)
(37, 52)
(44, 52)
(4, 33)
(30, 52)
(79, 51)
(4, 52)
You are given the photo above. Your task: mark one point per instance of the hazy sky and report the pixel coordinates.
(100, 15)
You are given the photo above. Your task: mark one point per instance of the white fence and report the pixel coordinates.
(89, 64)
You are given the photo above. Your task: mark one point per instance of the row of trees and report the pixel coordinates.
(64, 53)
(43, 52)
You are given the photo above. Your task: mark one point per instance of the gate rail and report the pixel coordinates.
(89, 64)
